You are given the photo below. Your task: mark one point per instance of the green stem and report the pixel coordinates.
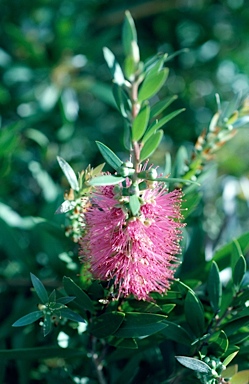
(135, 110)
(97, 361)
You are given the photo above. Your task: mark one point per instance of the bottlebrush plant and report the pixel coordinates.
(147, 320)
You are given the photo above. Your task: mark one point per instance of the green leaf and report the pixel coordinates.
(175, 180)
(140, 324)
(152, 61)
(159, 123)
(106, 180)
(71, 315)
(130, 67)
(40, 353)
(134, 204)
(223, 255)
(239, 337)
(239, 272)
(241, 377)
(168, 162)
(151, 145)
(159, 107)
(111, 158)
(140, 123)
(81, 298)
(176, 53)
(122, 100)
(66, 206)
(97, 170)
(236, 253)
(218, 344)
(39, 289)
(214, 287)
(229, 358)
(129, 33)
(28, 319)
(230, 371)
(52, 296)
(156, 66)
(65, 300)
(241, 298)
(106, 324)
(123, 343)
(234, 325)
(194, 313)
(167, 308)
(69, 173)
(181, 162)
(194, 364)
(145, 306)
(152, 84)
(175, 332)
(114, 66)
(47, 325)
(222, 343)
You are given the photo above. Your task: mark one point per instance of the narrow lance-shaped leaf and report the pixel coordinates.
(106, 180)
(140, 123)
(222, 342)
(129, 33)
(223, 255)
(40, 289)
(97, 170)
(28, 319)
(159, 107)
(122, 100)
(241, 377)
(151, 145)
(229, 358)
(47, 325)
(160, 123)
(181, 162)
(106, 324)
(176, 333)
(233, 326)
(65, 300)
(71, 315)
(236, 253)
(156, 67)
(239, 271)
(81, 298)
(194, 364)
(168, 163)
(152, 84)
(111, 158)
(134, 204)
(218, 344)
(66, 206)
(194, 313)
(214, 287)
(114, 66)
(176, 180)
(140, 324)
(69, 173)
(52, 296)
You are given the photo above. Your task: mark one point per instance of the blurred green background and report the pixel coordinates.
(56, 99)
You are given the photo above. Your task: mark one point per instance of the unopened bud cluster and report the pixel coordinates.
(215, 375)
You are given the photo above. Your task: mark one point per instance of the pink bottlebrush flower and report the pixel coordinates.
(138, 253)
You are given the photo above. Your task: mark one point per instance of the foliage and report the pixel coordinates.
(54, 81)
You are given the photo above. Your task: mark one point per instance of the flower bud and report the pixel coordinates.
(134, 189)
(152, 173)
(125, 171)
